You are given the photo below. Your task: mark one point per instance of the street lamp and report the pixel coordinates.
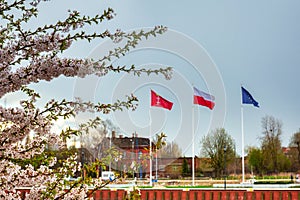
(298, 148)
(82, 156)
(132, 156)
(82, 162)
(156, 162)
(140, 165)
(224, 167)
(110, 156)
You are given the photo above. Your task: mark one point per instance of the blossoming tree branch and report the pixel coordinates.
(30, 55)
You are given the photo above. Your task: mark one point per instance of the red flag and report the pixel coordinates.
(158, 101)
(203, 99)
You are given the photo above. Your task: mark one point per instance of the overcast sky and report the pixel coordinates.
(222, 45)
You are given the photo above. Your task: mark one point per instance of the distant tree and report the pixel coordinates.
(110, 126)
(295, 143)
(293, 158)
(91, 139)
(112, 156)
(94, 138)
(185, 167)
(284, 163)
(170, 150)
(294, 151)
(216, 145)
(256, 160)
(271, 142)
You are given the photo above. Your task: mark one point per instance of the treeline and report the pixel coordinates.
(268, 157)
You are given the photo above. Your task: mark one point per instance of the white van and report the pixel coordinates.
(108, 175)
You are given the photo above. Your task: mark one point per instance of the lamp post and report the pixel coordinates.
(110, 156)
(224, 167)
(82, 162)
(156, 163)
(140, 164)
(298, 148)
(82, 157)
(132, 156)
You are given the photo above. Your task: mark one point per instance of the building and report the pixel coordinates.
(133, 159)
(174, 167)
(130, 154)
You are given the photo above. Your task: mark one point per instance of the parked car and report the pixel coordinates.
(108, 175)
(69, 178)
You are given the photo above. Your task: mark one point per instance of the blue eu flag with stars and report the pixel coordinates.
(248, 99)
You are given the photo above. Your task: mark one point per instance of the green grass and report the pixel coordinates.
(296, 186)
(272, 182)
(272, 177)
(145, 186)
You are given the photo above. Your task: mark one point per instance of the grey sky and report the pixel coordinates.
(254, 43)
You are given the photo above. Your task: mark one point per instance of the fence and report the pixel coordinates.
(197, 194)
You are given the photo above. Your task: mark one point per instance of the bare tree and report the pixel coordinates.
(271, 142)
(96, 140)
(93, 138)
(170, 150)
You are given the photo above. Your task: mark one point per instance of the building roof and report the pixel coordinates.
(131, 142)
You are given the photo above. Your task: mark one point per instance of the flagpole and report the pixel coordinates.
(243, 148)
(193, 149)
(156, 162)
(150, 151)
(246, 99)
(204, 99)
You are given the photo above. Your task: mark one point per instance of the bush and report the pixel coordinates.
(273, 182)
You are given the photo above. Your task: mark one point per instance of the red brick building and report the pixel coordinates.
(134, 158)
(133, 154)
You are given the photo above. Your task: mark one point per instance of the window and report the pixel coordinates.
(161, 168)
(174, 168)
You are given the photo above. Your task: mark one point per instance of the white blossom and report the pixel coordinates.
(30, 56)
